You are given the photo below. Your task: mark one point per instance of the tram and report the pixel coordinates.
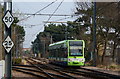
(67, 52)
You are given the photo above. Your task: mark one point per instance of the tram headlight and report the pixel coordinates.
(81, 60)
(70, 60)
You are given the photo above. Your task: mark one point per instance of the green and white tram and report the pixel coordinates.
(67, 52)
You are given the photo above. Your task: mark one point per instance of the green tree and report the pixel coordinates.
(59, 32)
(18, 34)
(107, 20)
(18, 30)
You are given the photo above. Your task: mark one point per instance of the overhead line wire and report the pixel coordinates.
(30, 26)
(63, 18)
(46, 6)
(39, 10)
(55, 10)
(45, 14)
(52, 14)
(57, 20)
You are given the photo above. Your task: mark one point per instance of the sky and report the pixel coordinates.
(37, 22)
(60, 0)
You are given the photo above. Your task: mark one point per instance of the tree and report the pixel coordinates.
(18, 34)
(18, 30)
(85, 12)
(107, 20)
(59, 32)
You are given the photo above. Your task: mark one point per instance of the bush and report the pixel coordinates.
(113, 66)
(89, 63)
(17, 60)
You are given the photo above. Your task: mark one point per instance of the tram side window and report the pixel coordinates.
(53, 53)
(59, 53)
(63, 52)
(56, 52)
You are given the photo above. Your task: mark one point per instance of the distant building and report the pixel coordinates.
(26, 49)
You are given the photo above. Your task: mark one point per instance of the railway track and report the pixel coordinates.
(105, 75)
(55, 72)
(47, 69)
(93, 74)
(28, 71)
(85, 72)
(48, 74)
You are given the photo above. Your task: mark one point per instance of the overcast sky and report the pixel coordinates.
(67, 8)
(35, 24)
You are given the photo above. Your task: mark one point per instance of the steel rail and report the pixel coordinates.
(22, 65)
(39, 72)
(88, 72)
(102, 73)
(30, 73)
(83, 73)
(69, 76)
(51, 77)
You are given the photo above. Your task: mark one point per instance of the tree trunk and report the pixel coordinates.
(113, 53)
(98, 57)
(103, 56)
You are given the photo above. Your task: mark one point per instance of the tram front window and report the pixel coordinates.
(75, 51)
(76, 48)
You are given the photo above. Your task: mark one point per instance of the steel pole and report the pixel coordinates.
(8, 61)
(94, 35)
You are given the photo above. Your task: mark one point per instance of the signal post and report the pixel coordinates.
(7, 43)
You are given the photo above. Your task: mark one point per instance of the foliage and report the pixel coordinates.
(18, 34)
(113, 66)
(19, 30)
(17, 60)
(107, 25)
(59, 32)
